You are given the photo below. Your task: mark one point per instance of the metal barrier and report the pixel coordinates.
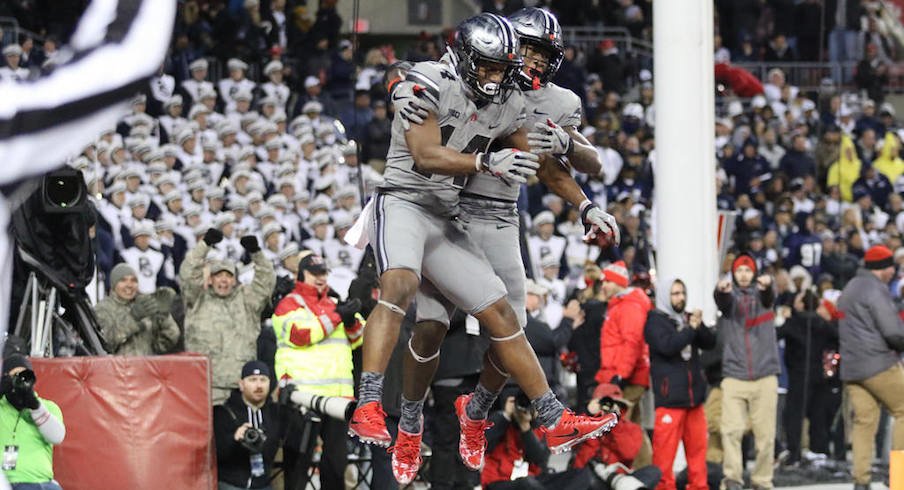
(806, 75)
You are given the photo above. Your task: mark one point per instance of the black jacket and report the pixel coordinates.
(547, 344)
(823, 336)
(676, 382)
(233, 459)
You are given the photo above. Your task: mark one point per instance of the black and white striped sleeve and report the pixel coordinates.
(117, 46)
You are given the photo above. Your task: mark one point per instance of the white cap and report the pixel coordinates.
(198, 64)
(312, 106)
(143, 227)
(12, 50)
(270, 229)
(544, 218)
(272, 66)
(236, 64)
(311, 81)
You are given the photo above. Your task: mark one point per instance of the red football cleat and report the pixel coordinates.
(368, 424)
(574, 429)
(406, 456)
(473, 441)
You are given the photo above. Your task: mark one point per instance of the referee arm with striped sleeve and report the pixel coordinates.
(117, 46)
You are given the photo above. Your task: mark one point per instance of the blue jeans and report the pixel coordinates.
(51, 485)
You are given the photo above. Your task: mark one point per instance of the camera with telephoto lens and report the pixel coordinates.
(254, 440)
(24, 382)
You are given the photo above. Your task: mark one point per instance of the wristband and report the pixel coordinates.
(584, 204)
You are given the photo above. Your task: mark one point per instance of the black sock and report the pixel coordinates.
(481, 403)
(411, 421)
(549, 409)
(370, 388)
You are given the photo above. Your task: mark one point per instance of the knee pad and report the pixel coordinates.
(419, 358)
(515, 335)
(391, 307)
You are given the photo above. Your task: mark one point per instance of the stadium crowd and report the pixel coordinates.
(213, 196)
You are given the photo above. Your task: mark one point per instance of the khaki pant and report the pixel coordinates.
(633, 393)
(887, 389)
(713, 410)
(756, 400)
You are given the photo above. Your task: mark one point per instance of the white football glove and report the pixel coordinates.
(598, 221)
(509, 164)
(548, 137)
(408, 105)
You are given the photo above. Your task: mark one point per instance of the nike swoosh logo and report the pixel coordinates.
(539, 113)
(574, 432)
(396, 97)
(494, 126)
(499, 227)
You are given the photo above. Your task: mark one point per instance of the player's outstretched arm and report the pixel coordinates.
(117, 47)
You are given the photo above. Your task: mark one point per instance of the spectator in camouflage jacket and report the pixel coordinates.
(135, 324)
(222, 317)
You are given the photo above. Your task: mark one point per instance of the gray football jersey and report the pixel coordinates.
(560, 105)
(464, 127)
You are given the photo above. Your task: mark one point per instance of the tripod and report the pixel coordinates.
(40, 311)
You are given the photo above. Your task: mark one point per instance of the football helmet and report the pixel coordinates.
(485, 39)
(539, 28)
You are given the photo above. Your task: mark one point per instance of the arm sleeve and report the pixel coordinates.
(704, 338)
(724, 301)
(114, 328)
(260, 289)
(497, 430)
(767, 296)
(535, 452)
(49, 420)
(666, 341)
(224, 435)
(115, 49)
(586, 452)
(191, 274)
(632, 325)
(886, 318)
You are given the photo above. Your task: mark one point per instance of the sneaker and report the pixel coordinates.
(406, 457)
(368, 424)
(473, 441)
(574, 429)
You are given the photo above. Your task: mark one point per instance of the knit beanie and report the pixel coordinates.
(616, 272)
(878, 257)
(743, 259)
(119, 272)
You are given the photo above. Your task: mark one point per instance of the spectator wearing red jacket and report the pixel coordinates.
(517, 453)
(621, 445)
(624, 355)
(679, 386)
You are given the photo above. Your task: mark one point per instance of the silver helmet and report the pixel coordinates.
(486, 38)
(540, 29)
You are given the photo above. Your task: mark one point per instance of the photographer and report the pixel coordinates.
(615, 453)
(517, 454)
(29, 428)
(315, 338)
(247, 431)
(135, 324)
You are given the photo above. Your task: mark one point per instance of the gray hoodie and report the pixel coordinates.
(870, 330)
(748, 329)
